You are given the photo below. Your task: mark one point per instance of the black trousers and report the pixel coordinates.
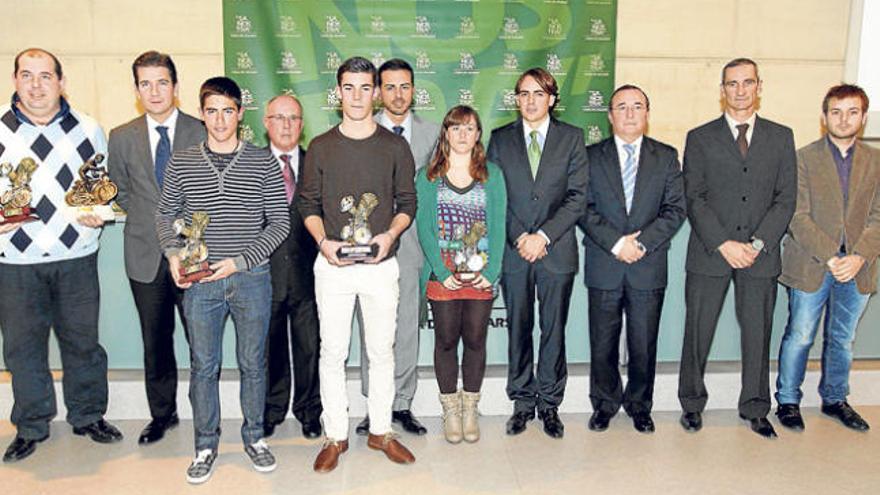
(642, 309)
(63, 296)
(546, 389)
(755, 301)
(155, 302)
(301, 340)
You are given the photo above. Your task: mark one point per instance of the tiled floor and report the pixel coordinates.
(725, 457)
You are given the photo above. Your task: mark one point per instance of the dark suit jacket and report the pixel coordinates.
(131, 167)
(734, 198)
(554, 201)
(820, 219)
(291, 263)
(658, 210)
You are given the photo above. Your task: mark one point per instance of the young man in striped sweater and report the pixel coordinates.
(240, 188)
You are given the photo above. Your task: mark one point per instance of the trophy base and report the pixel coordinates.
(16, 215)
(105, 212)
(195, 272)
(357, 253)
(466, 278)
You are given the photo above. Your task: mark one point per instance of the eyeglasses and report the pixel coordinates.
(281, 118)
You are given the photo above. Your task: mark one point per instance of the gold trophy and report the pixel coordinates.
(16, 202)
(194, 253)
(93, 191)
(468, 258)
(357, 232)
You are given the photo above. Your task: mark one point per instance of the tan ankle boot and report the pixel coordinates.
(451, 416)
(469, 416)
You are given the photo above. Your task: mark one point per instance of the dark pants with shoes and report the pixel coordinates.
(755, 301)
(546, 390)
(63, 295)
(155, 302)
(642, 308)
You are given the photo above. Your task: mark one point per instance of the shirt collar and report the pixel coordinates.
(386, 122)
(542, 129)
(294, 153)
(835, 151)
(732, 123)
(637, 143)
(170, 122)
(63, 112)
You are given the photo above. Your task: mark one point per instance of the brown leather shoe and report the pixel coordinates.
(328, 458)
(393, 449)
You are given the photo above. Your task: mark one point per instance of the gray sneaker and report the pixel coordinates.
(202, 466)
(261, 456)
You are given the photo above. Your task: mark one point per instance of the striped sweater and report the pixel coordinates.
(245, 203)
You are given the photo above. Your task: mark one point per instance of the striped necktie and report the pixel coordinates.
(630, 167)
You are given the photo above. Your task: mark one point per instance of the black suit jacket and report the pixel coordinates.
(553, 202)
(734, 198)
(658, 210)
(291, 263)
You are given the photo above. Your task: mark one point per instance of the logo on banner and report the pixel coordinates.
(332, 63)
(332, 100)
(422, 100)
(244, 64)
(595, 102)
(423, 27)
(467, 28)
(246, 133)
(510, 64)
(554, 29)
(423, 63)
(247, 99)
(332, 27)
(287, 27)
(510, 30)
(465, 97)
(554, 65)
(466, 64)
(288, 92)
(289, 64)
(594, 134)
(508, 100)
(598, 31)
(243, 27)
(377, 27)
(596, 66)
(377, 58)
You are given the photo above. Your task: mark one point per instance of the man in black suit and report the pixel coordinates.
(293, 288)
(635, 204)
(138, 153)
(544, 162)
(740, 178)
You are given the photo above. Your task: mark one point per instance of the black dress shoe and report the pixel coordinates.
(517, 423)
(311, 428)
(363, 428)
(21, 448)
(599, 420)
(790, 416)
(761, 426)
(691, 421)
(409, 422)
(100, 431)
(553, 426)
(155, 429)
(846, 415)
(643, 423)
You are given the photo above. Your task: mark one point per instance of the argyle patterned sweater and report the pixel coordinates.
(59, 149)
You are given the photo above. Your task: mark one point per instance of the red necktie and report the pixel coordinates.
(287, 172)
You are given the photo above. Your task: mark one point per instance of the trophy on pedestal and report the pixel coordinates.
(194, 253)
(357, 232)
(468, 258)
(15, 203)
(93, 191)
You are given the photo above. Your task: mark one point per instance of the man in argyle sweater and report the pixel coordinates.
(48, 267)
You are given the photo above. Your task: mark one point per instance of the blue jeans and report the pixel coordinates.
(247, 296)
(843, 305)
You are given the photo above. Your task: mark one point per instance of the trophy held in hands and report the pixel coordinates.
(468, 258)
(357, 232)
(15, 203)
(93, 191)
(194, 253)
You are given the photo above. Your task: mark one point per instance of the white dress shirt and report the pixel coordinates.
(385, 122)
(622, 154)
(732, 123)
(153, 134)
(294, 159)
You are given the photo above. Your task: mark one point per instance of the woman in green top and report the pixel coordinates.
(462, 202)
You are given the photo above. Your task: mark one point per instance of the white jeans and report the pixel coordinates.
(335, 291)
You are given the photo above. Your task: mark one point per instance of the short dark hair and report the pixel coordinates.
(36, 52)
(627, 87)
(397, 64)
(845, 91)
(357, 65)
(220, 86)
(544, 79)
(153, 58)
(738, 62)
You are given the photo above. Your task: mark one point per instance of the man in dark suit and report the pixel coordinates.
(138, 153)
(740, 178)
(544, 162)
(293, 288)
(635, 204)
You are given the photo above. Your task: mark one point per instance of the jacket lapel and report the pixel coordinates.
(723, 134)
(644, 172)
(142, 149)
(859, 173)
(611, 168)
(522, 157)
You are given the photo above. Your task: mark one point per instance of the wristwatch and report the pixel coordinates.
(757, 244)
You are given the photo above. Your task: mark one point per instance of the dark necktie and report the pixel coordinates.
(287, 172)
(398, 129)
(163, 153)
(741, 140)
